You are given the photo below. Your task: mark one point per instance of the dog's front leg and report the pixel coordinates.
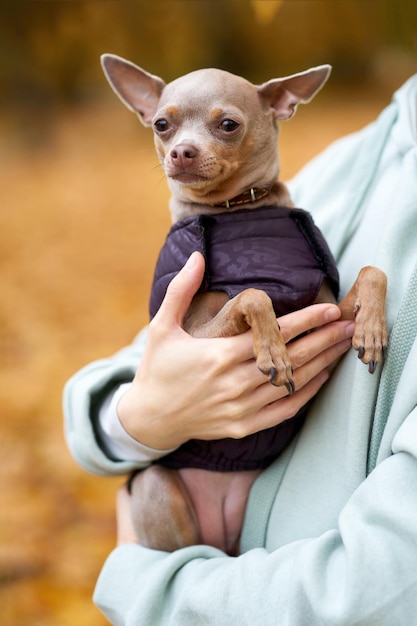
(365, 303)
(253, 309)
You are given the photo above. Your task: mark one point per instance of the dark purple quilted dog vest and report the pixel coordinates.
(276, 249)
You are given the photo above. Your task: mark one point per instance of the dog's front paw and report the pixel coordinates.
(370, 338)
(272, 360)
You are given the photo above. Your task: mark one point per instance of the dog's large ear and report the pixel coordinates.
(137, 89)
(284, 94)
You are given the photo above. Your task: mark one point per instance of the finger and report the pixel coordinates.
(336, 335)
(306, 319)
(181, 291)
(240, 348)
(286, 408)
(306, 348)
(323, 361)
(277, 411)
(248, 407)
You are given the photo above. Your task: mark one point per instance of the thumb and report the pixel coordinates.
(181, 291)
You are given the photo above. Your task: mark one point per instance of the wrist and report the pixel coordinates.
(138, 422)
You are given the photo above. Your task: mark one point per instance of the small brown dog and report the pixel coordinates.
(216, 138)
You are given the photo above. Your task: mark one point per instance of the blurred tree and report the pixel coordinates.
(42, 50)
(266, 11)
(49, 49)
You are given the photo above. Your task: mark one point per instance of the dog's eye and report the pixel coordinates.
(161, 126)
(229, 125)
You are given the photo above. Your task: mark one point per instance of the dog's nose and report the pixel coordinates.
(183, 153)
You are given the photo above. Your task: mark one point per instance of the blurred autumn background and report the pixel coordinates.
(83, 213)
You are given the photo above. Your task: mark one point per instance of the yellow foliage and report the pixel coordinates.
(265, 10)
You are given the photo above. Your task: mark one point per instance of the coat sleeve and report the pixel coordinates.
(361, 572)
(84, 393)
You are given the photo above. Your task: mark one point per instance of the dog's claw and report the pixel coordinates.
(290, 387)
(372, 363)
(272, 374)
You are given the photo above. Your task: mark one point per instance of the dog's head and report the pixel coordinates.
(215, 132)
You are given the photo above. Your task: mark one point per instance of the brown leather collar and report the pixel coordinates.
(251, 195)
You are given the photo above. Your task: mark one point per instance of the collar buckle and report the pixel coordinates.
(250, 195)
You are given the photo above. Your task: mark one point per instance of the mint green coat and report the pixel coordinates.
(330, 535)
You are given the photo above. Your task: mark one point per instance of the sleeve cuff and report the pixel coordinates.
(116, 440)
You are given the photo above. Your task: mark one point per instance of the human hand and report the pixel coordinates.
(187, 388)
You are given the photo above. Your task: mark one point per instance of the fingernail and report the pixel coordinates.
(350, 329)
(331, 314)
(191, 262)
